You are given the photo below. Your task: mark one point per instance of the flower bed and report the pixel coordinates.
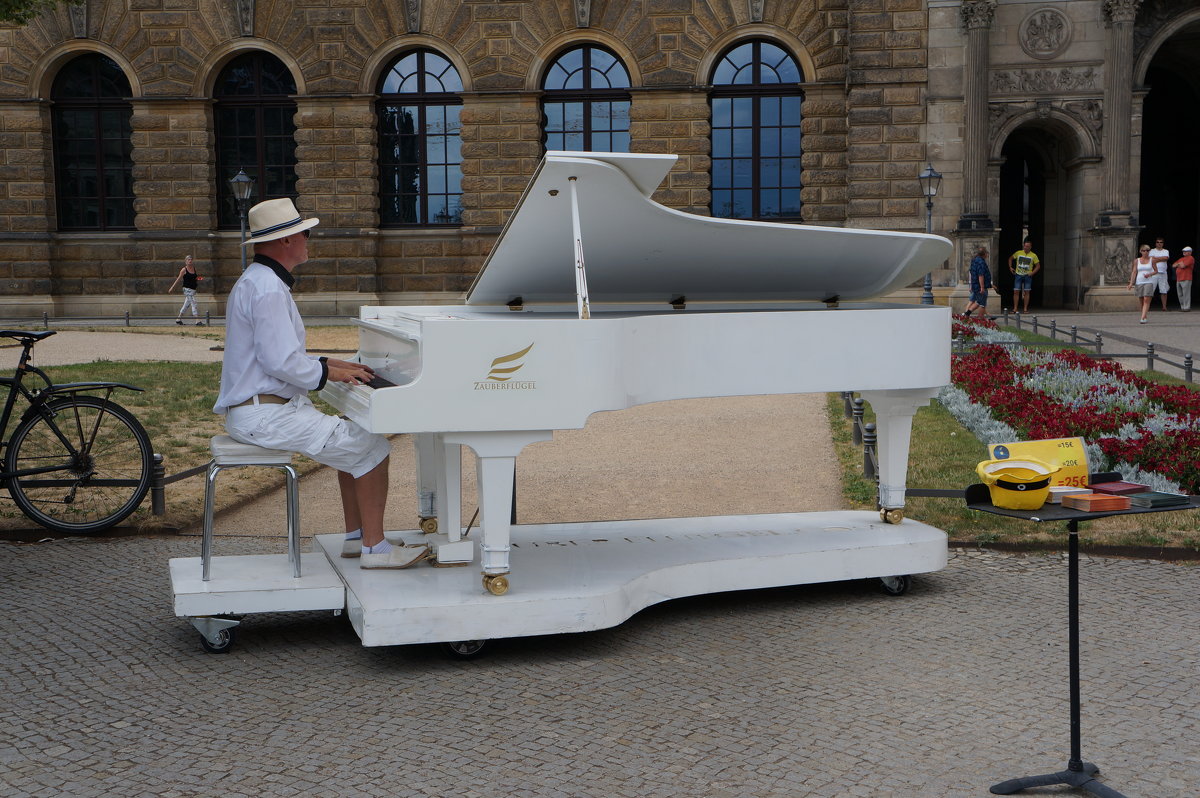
(1131, 425)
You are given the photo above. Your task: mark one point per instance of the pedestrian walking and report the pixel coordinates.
(1142, 279)
(191, 280)
(981, 281)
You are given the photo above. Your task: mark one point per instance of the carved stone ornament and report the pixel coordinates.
(77, 12)
(245, 12)
(1118, 261)
(412, 15)
(1043, 81)
(1044, 33)
(977, 13)
(1089, 112)
(1120, 10)
(583, 13)
(756, 10)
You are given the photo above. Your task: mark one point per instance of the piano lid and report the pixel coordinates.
(637, 250)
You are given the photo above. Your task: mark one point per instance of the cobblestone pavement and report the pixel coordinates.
(825, 690)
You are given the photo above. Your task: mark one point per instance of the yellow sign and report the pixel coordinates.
(1066, 453)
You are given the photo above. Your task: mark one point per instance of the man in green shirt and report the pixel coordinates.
(1024, 264)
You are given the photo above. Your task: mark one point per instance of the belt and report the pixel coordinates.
(263, 399)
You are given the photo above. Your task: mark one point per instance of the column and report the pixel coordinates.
(1118, 109)
(977, 18)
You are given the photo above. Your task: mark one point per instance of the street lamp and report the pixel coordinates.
(242, 186)
(931, 181)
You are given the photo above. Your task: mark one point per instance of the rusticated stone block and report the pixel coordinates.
(898, 207)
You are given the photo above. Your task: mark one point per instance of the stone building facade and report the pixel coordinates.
(1032, 111)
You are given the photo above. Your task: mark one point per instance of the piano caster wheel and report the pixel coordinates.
(464, 649)
(429, 526)
(893, 516)
(496, 585)
(896, 585)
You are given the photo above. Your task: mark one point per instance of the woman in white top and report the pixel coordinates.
(1142, 277)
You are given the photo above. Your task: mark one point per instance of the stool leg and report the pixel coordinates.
(209, 499)
(293, 519)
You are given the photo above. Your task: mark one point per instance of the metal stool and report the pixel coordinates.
(228, 453)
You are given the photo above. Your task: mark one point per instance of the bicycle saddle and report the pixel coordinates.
(27, 336)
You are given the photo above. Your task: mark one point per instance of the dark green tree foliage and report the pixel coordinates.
(21, 11)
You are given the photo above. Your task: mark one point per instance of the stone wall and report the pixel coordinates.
(864, 129)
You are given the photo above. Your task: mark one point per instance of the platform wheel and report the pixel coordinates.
(892, 516)
(895, 585)
(429, 526)
(224, 642)
(464, 649)
(496, 584)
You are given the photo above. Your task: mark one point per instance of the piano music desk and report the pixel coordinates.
(581, 577)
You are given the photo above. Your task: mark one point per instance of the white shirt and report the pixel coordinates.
(264, 341)
(1161, 268)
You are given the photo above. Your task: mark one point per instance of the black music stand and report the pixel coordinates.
(1078, 773)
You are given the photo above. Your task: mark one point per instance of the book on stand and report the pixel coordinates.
(1096, 502)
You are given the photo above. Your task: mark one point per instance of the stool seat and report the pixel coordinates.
(228, 452)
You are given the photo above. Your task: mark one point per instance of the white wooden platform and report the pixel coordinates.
(247, 584)
(586, 576)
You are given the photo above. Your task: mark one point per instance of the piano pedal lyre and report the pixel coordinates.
(496, 584)
(429, 525)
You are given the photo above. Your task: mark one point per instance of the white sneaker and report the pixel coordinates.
(352, 547)
(398, 557)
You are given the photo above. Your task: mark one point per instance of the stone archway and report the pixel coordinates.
(1040, 179)
(1169, 196)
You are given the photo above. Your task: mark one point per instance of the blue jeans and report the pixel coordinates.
(1023, 282)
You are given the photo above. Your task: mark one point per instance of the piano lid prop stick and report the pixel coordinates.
(580, 272)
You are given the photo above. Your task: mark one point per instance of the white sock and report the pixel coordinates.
(382, 547)
(355, 535)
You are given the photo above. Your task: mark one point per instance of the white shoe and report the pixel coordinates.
(398, 557)
(352, 547)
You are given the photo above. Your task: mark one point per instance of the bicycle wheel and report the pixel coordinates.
(103, 476)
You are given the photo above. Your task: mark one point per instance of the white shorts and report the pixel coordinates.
(299, 427)
(1164, 285)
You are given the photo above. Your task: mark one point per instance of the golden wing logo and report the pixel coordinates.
(505, 366)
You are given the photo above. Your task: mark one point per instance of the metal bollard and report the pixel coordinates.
(1035, 323)
(1150, 356)
(1053, 328)
(1187, 368)
(1074, 334)
(856, 430)
(846, 397)
(869, 451)
(158, 502)
(127, 318)
(45, 320)
(1099, 343)
(208, 318)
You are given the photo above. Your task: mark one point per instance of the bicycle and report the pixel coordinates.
(76, 462)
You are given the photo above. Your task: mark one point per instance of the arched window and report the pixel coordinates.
(93, 157)
(756, 101)
(254, 118)
(420, 150)
(586, 102)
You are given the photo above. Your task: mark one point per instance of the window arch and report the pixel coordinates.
(585, 105)
(254, 119)
(755, 101)
(93, 155)
(420, 148)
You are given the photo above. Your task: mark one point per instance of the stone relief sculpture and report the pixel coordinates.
(583, 13)
(1117, 262)
(1045, 33)
(245, 15)
(1041, 81)
(412, 15)
(77, 12)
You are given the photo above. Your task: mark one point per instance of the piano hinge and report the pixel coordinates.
(831, 301)
(679, 302)
(516, 303)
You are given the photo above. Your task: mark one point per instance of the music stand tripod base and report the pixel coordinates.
(1082, 778)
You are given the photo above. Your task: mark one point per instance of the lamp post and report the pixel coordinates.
(931, 181)
(242, 186)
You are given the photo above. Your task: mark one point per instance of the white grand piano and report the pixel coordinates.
(597, 298)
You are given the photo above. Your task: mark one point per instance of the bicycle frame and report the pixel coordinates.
(38, 399)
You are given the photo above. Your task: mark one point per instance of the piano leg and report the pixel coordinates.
(496, 455)
(894, 411)
(449, 489)
(429, 467)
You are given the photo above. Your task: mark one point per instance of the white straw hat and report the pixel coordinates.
(1187, 249)
(277, 218)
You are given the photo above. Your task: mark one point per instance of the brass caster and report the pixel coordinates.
(893, 516)
(429, 526)
(496, 585)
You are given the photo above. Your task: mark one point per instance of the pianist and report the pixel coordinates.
(266, 375)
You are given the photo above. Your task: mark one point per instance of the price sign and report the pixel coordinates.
(1066, 453)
